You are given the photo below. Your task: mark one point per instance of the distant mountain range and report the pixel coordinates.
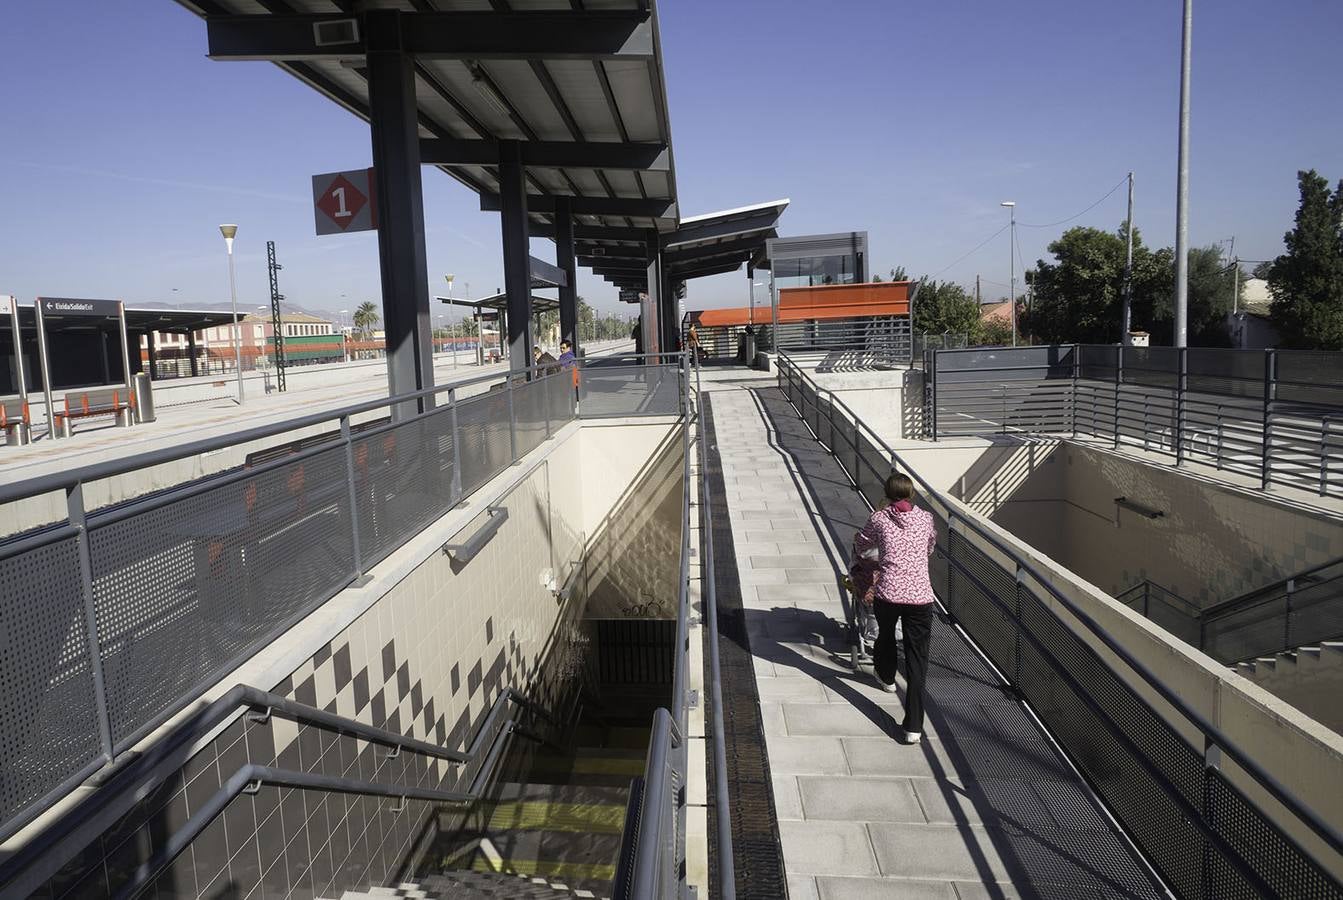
(243, 309)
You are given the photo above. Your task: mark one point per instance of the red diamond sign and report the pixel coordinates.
(343, 202)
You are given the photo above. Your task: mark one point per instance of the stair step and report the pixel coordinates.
(587, 818)
(537, 791)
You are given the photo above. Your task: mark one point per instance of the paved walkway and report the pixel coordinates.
(983, 808)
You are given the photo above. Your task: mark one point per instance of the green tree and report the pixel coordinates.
(944, 307)
(898, 274)
(1306, 282)
(1212, 281)
(1079, 297)
(366, 317)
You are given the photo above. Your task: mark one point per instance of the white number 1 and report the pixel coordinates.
(339, 194)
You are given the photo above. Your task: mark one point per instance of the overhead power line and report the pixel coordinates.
(978, 247)
(1123, 181)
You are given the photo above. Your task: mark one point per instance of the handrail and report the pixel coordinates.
(54, 481)
(1227, 607)
(1215, 736)
(82, 823)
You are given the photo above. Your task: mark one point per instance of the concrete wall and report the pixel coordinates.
(1211, 543)
(424, 650)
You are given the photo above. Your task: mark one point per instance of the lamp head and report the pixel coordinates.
(228, 231)
(1008, 203)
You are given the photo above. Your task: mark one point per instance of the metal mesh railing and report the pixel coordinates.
(1273, 415)
(1211, 820)
(120, 616)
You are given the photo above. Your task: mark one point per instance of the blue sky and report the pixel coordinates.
(123, 146)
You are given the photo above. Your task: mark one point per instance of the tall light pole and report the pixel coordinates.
(1012, 262)
(229, 232)
(1182, 189)
(452, 341)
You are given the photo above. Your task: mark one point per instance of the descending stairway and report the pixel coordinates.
(553, 829)
(1310, 678)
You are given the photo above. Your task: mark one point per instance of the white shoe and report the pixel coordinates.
(888, 688)
(910, 737)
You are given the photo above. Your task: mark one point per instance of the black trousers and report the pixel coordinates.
(918, 628)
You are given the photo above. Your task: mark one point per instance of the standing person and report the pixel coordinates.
(567, 359)
(637, 333)
(896, 585)
(692, 341)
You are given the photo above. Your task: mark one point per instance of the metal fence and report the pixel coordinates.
(1290, 613)
(1274, 415)
(883, 337)
(1211, 820)
(118, 617)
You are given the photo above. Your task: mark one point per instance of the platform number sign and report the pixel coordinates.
(345, 201)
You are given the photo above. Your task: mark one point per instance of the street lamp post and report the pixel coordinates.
(1182, 188)
(452, 334)
(229, 232)
(1012, 262)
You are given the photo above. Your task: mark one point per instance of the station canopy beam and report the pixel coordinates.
(591, 206)
(575, 35)
(650, 156)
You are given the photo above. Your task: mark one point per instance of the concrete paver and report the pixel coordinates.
(983, 807)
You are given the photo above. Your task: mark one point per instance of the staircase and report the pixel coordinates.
(1309, 678)
(552, 829)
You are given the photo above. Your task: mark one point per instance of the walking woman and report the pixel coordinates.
(891, 576)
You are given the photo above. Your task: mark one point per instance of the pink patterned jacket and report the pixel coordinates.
(903, 541)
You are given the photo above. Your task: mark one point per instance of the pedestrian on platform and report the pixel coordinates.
(896, 586)
(567, 359)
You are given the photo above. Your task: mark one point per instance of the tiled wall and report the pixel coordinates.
(426, 660)
(1210, 544)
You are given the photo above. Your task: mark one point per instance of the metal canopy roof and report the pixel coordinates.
(499, 302)
(162, 320)
(702, 245)
(582, 88)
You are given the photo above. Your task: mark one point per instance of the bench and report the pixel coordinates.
(99, 402)
(15, 421)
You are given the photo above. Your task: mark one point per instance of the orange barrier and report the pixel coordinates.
(819, 303)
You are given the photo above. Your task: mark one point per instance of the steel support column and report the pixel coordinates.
(517, 269)
(396, 159)
(191, 353)
(652, 309)
(670, 322)
(149, 347)
(564, 258)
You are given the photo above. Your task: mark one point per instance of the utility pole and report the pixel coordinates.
(977, 300)
(1012, 263)
(1235, 285)
(1182, 189)
(1124, 338)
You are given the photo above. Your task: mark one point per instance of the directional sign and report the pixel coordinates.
(345, 201)
(6, 304)
(627, 296)
(57, 307)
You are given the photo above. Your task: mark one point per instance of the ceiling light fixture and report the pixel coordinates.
(488, 91)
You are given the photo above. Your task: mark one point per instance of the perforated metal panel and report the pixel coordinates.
(482, 434)
(612, 391)
(1255, 839)
(403, 482)
(183, 589)
(48, 726)
(529, 412)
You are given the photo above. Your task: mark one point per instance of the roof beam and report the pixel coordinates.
(738, 246)
(594, 232)
(592, 206)
(650, 156)
(593, 34)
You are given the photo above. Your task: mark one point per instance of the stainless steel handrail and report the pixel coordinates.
(1215, 736)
